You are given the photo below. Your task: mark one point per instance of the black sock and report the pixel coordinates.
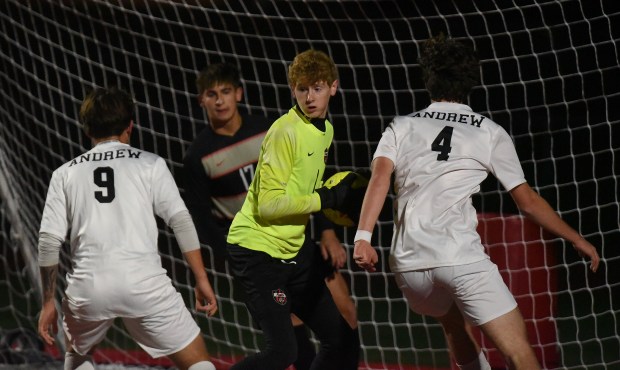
(305, 348)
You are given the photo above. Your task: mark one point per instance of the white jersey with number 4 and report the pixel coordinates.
(441, 155)
(107, 198)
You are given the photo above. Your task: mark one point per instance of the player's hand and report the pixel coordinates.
(335, 196)
(332, 248)
(205, 297)
(365, 255)
(584, 248)
(48, 322)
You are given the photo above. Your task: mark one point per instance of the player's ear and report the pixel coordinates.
(239, 93)
(333, 88)
(292, 91)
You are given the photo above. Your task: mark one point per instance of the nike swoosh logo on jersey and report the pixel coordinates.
(309, 154)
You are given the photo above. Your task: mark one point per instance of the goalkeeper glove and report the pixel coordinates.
(335, 196)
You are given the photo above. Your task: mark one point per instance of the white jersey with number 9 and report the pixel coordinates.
(107, 198)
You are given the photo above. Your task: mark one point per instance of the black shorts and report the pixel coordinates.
(272, 284)
(275, 288)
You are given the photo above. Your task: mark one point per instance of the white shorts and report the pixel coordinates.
(477, 289)
(160, 334)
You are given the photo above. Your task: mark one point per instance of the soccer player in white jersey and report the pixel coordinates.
(107, 200)
(439, 157)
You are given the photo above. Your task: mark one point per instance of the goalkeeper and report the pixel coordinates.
(218, 169)
(108, 198)
(266, 236)
(439, 157)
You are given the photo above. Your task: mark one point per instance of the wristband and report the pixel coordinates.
(362, 235)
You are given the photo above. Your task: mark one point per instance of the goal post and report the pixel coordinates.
(549, 77)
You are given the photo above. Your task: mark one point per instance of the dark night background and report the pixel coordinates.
(550, 77)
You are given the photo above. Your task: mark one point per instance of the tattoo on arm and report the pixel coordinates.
(48, 280)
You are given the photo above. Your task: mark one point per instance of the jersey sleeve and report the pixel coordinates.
(278, 156)
(166, 197)
(387, 144)
(198, 201)
(505, 164)
(55, 219)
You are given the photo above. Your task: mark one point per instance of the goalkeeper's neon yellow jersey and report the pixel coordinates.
(281, 197)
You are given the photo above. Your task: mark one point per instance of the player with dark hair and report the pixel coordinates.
(266, 236)
(107, 199)
(439, 157)
(219, 167)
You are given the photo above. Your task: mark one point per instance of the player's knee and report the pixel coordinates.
(75, 361)
(202, 365)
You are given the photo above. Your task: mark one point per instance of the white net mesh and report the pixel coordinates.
(549, 75)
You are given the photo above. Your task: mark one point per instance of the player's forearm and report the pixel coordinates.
(195, 263)
(184, 231)
(376, 193)
(536, 208)
(373, 202)
(49, 251)
(48, 282)
(329, 235)
(277, 204)
(274, 200)
(546, 217)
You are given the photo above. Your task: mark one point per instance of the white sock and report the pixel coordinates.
(202, 365)
(480, 363)
(75, 361)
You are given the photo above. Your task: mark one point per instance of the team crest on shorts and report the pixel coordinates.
(279, 296)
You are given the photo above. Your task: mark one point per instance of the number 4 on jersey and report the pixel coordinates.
(441, 143)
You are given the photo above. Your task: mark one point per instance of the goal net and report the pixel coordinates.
(549, 77)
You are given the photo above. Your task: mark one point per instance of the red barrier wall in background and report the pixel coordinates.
(528, 265)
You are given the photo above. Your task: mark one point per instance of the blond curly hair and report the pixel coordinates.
(312, 66)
